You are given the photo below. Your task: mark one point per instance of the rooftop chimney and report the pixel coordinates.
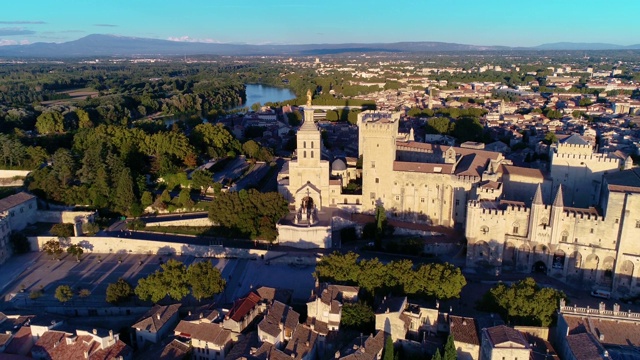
(95, 331)
(111, 334)
(601, 337)
(86, 354)
(158, 316)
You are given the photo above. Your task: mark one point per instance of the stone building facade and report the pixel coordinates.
(592, 247)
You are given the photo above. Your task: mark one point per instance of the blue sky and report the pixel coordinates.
(478, 22)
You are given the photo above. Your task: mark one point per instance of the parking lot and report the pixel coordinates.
(37, 271)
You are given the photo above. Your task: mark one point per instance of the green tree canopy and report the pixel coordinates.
(170, 280)
(249, 213)
(358, 316)
(64, 293)
(523, 303)
(205, 280)
(52, 247)
(50, 122)
(119, 291)
(75, 250)
(201, 180)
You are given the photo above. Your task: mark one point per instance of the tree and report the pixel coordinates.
(64, 166)
(255, 107)
(75, 250)
(64, 293)
(523, 303)
(437, 355)
(249, 213)
(443, 281)
(388, 349)
(184, 198)
(119, 291)
(450, 352)
(20, 243)
(371, 275)
(146, 199)
(201, 180)
(50, 122)
(62, 230)
(170, 281)
(53, 248)
(125, 196)
(205, 280)
(165, 196)
(438, 125)
(338, 267)
(550, 138)
(358, 316)
(84, 121)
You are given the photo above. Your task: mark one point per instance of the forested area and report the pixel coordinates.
(85, 132)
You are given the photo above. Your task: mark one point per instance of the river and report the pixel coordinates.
(264, 94)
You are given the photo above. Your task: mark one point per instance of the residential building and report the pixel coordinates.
(61, 345)
(242, 313)
(20, 209)
(155, 324)
(465, 337)
(278, 324)
(391, 319)
(364, 348)
(209, 341)
(325, 304)
(502, 342)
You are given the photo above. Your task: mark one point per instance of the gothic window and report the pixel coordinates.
(312, 145)
(516, 228)
(304, 144)
(312, 154)
(377, 181)
(304, 155)
(591, 231)
(484, 229)
(397, 198)
(373, 164)
(637, 224)
(421, 200)
(564, 236)
(457, 202)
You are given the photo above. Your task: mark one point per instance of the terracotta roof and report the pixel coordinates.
(14, 200)
(175, 350)
(585, 347)
(373, 345)
(490, 185)
(501, 334)
(279, 313)
(303, 341)
(205, 331)
(464, 329)
(270, 294)
(63, 346)
(243, 306)
(203, 313)
(21, 339)
(522, 171)
(157, 317)
(613, 332)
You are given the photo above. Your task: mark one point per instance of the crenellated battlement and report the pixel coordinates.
(493, 208)
(586, 214)
(600, 158)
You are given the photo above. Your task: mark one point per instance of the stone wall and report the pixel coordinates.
(304, 237)
(13, 177)
(65, 217)
(107, 245)
(205, 221)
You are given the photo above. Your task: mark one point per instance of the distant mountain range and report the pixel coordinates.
(112, 45)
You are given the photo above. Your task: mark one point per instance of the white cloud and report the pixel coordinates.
(190, 39)
(5, 42)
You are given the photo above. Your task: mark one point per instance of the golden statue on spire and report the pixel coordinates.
(308, 97)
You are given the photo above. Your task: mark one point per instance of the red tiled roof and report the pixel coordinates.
(53, 344)
(464, 329)
(243, 306)
(156, 318)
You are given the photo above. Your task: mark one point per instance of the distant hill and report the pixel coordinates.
(584, 46)
(113, 45)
